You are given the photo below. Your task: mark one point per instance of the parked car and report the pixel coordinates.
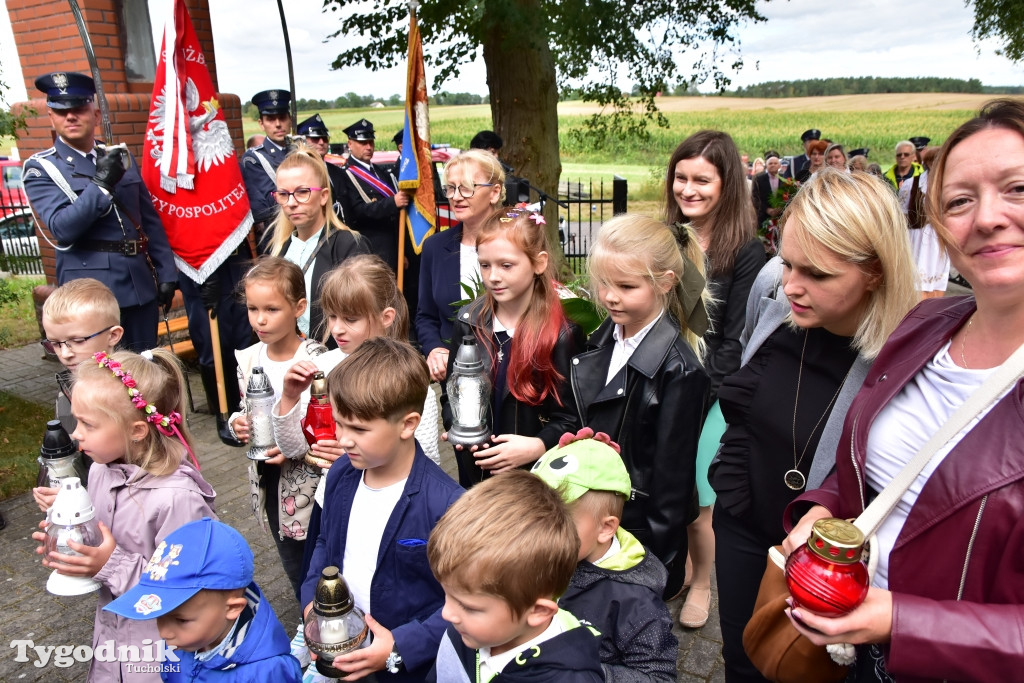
(12, 190)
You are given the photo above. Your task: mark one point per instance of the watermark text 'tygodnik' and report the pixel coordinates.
(152, 656)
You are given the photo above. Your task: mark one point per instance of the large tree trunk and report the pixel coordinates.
(524, 97)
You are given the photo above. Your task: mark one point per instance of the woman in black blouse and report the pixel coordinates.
(817, 316)
(706, 187)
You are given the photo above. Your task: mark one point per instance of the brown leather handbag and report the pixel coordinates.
(775, 647)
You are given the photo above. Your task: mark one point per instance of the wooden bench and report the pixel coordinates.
(182, 347)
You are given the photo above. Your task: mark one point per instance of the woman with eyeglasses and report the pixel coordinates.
(308, 232)
(474, 184)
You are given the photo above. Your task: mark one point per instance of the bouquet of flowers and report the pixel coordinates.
(779, 199)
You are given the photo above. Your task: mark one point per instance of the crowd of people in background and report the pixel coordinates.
(738, 390)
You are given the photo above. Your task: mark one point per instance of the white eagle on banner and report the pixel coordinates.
(211, 140)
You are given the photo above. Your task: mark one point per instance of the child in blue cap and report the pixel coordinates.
(199, 588)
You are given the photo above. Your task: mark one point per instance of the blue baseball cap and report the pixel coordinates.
(201, 555)
(66, 89)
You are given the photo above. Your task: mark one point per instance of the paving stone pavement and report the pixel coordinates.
(27, 611)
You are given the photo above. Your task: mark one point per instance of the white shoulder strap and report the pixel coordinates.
(61, 182)
(266, 166)
(55, 175)
(359, 188)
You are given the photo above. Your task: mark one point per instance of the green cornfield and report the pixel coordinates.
(758, 130)
(753, 130)
(859, 121)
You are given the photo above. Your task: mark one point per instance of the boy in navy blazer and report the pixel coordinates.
(383, 498)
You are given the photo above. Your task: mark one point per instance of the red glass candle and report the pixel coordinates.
(828, 576)
(318, 425)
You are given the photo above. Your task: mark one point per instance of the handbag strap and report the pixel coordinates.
(992, 389)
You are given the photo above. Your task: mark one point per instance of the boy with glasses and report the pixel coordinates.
(80, 318)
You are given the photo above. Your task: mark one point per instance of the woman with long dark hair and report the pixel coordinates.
(705, 186)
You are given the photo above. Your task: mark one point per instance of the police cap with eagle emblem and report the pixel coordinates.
(66, 89)
(270, 102)
(314, 127)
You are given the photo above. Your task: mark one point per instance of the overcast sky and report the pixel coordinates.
(801, 39)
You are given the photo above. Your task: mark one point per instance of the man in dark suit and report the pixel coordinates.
(319, 138)
(799, 163)
(372, 204)
(259, 164)
(95, 204)
(764, 185)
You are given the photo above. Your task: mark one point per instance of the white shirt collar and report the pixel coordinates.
(622, 349)
(314, 238)
(498, 327)
(635, 340)
(90, 153)
(613, 550)
(361, 163)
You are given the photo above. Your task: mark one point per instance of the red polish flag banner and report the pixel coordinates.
(189, 162)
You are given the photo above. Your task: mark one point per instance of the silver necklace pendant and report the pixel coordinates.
(501, 355)
(795, 480)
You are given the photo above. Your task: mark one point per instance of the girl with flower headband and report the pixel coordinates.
(528, 342)
(144, 483)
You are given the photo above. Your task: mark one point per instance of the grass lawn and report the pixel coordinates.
(17, 313)
(21, 427)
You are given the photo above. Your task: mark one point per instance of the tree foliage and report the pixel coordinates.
(532, 49)
(11, 122)
(1003, 21)
(593, 42)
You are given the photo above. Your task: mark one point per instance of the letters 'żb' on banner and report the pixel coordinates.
(415, 172)
(189, 162)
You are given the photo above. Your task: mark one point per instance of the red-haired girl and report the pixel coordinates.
(528, 343)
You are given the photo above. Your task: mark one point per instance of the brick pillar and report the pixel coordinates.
(47, 39)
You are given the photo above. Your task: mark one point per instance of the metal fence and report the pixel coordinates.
(590, 204)
(19, 243)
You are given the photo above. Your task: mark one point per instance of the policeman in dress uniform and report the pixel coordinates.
(99, 211)
(259, 164)
(319, 138)
(372, 204)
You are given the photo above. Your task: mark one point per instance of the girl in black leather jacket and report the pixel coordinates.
(641, 381)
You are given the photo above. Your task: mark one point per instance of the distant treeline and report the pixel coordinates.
(866, 85)
(353, 101)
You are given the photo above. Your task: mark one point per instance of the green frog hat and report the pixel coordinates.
(583, 462)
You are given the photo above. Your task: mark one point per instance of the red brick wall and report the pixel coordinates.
(47, 39)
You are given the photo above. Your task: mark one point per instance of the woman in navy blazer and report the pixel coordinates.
(474, 183)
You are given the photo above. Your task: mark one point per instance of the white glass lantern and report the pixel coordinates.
(469, 394)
